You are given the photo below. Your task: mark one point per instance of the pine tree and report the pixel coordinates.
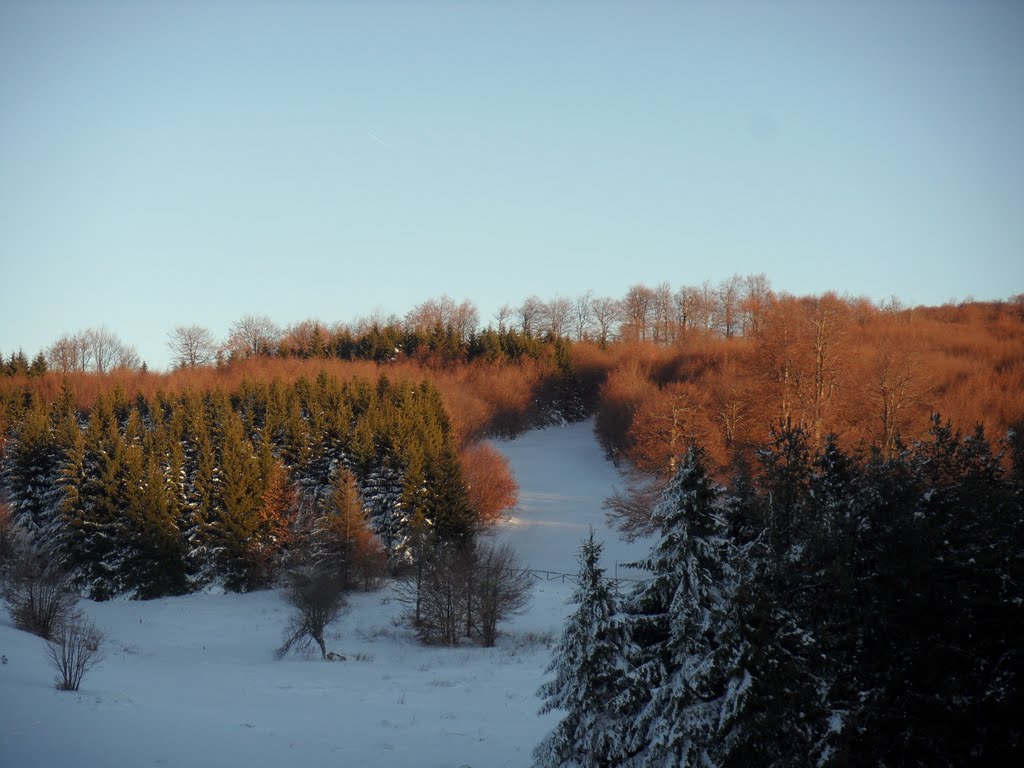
(587, 667)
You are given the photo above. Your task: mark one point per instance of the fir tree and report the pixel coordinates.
(239, 496)
(587, 668)
(679, 628)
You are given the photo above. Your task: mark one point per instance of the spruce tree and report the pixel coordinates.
(30, 473)
(238, 495)
(587, 667)
(681, 644)
(99, 527)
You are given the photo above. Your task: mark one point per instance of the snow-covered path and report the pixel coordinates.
(191, 681)
(563, 477)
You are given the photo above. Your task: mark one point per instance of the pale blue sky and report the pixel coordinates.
(190, 162)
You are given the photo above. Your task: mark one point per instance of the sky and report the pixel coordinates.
(166, 163)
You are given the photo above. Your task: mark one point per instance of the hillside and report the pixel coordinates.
(190, 681)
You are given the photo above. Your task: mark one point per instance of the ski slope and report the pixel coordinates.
(191, 681)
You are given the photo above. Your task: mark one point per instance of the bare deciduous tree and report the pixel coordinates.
(104, 348)
(607, 312)
(661, 312)
(757, 293)
(631, 510)
(97, 349)
(637, 311)
(65, 355)
(729, 298)
(253, 335)
(583, 314)
(317, 600)
(76, 647)
(502, 589)
(191, 345)
(556, 314)
(502, 316)
(530, 313)
(463, 592)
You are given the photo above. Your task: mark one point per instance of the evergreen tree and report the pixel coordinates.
(678, 628)
(587, 667)
(30, 471)
(779, 656)
(99, 528)
(238, 496)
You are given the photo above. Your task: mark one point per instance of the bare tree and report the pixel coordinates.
(583, 314)
(896, 383)
(556, 314)
(631, 510)
(37, 592)
(607, 312)
(191, 345)
(502, 588)
(705, 307)
(64, 355)
(104, 348)
(76, 647)
(317, 600)
(729, 296)
(464, 592)
(502, 316)
(662, 314)
(637, 311)
(100, 349)
(127, 357)
(757, 294)
(530, 313)
(435, 593)
(253, 335)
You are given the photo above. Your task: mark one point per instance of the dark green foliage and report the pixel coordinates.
(586, 668)
(157, 497)
(869, 611)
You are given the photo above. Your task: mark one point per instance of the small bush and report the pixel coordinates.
(317, 599)
(75, 648)
(38, 594)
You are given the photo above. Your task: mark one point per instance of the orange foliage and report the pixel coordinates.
(491, 488)
(831, 364)
(481, 398)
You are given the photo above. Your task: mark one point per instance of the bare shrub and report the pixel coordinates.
(465, 591)
(317, 599)
(502, 589)
(435, 592)
(74, 649)
(631, 510)
(38, 594)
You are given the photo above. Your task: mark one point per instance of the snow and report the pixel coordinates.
(564, 477)
(191, 681)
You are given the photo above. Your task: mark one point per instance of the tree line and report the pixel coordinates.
(160, 495)
(829, 364)
(827, 607)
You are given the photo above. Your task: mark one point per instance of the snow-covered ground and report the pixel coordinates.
(191, 681)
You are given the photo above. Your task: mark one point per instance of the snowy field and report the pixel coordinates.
(191, 681)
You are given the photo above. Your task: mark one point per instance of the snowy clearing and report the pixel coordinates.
(191, 681)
